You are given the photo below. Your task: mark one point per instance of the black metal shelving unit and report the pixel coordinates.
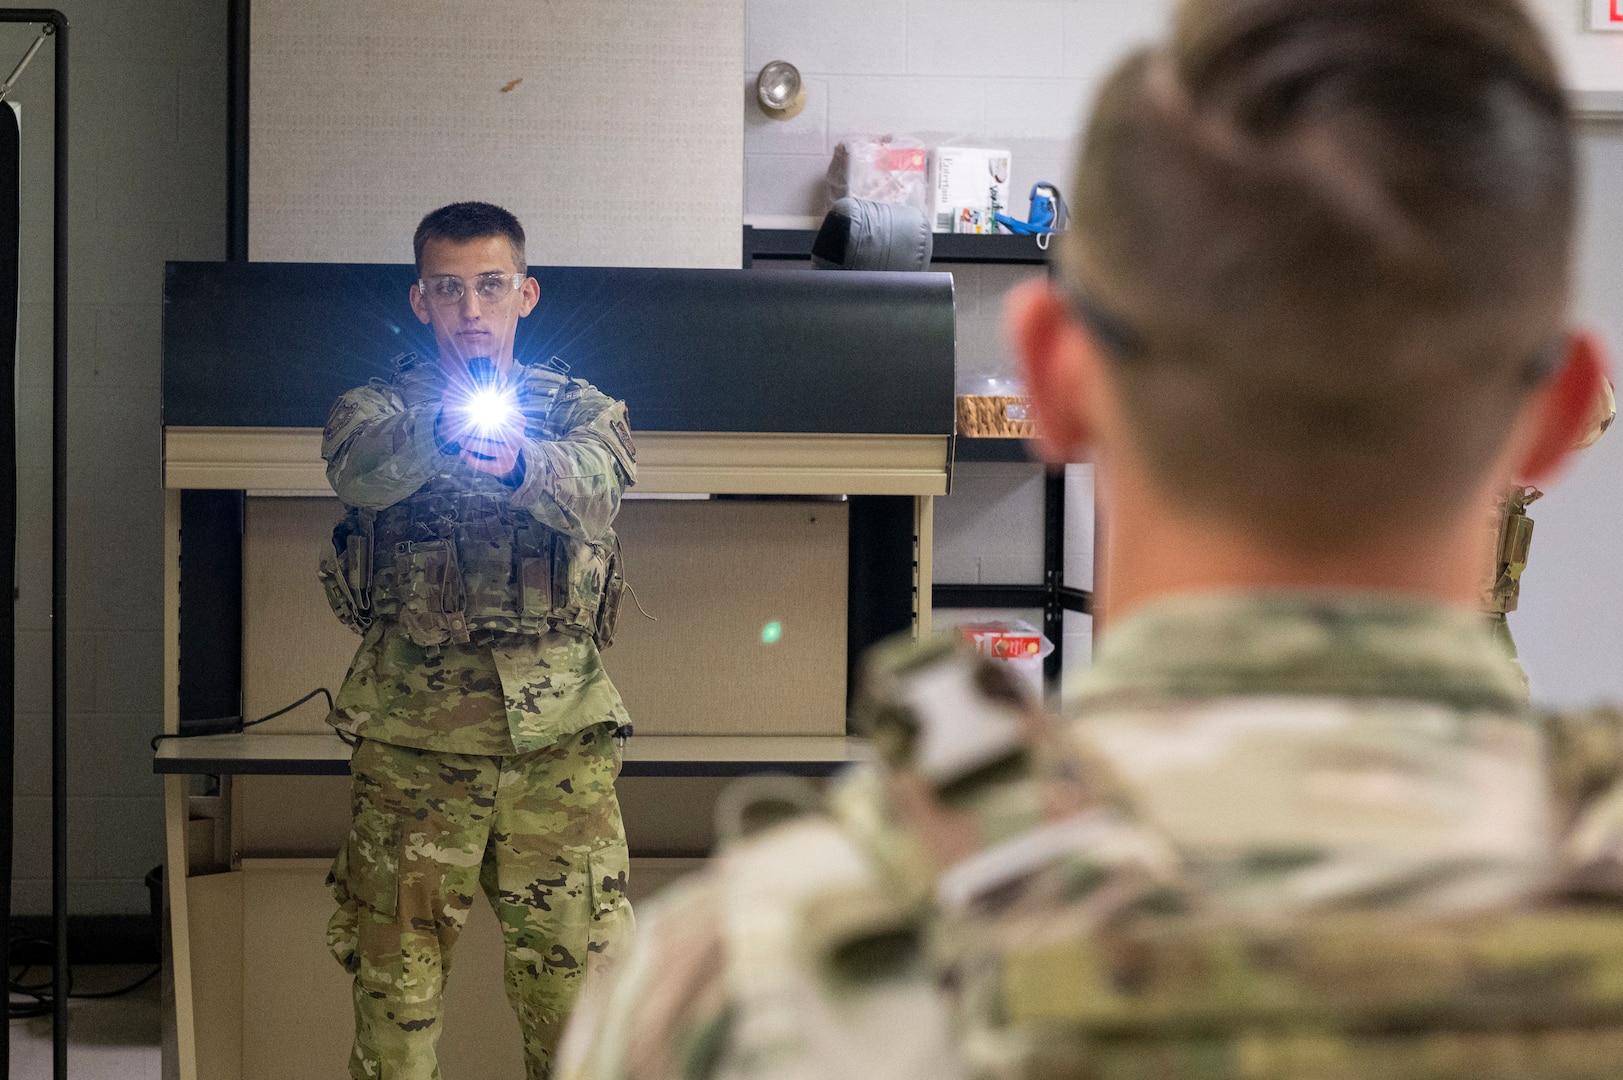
(1053, 596)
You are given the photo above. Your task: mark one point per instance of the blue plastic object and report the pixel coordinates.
(1047, 213)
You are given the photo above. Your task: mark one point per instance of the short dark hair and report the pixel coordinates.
(464, 221)
(1340, 233)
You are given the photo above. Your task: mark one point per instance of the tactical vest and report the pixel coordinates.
(455, 558)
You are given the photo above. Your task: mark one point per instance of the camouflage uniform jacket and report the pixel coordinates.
(500, 693)
(1264, 816)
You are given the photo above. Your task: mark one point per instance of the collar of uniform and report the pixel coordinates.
(1302, 644)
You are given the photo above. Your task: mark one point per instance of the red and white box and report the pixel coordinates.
(1016, 643)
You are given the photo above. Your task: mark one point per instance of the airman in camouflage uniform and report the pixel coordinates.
(479, 563)
(1298, 821)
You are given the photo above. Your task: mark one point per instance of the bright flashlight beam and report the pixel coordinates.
(491, 411)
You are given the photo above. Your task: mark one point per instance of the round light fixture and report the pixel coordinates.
(780, 91)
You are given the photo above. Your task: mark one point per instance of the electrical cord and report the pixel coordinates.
(40, 1001)
(231, 725)
(40, 995)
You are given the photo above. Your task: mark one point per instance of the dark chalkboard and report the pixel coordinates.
(273, 344)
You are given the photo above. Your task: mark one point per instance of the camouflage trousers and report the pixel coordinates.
(540, 833)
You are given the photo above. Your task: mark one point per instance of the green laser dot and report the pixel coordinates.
(771, 632)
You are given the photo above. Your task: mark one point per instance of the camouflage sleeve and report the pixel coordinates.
(377, 450)
(663, 1012)
(1585, 757)
(573, 481)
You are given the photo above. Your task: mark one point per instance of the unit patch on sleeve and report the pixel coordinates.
(622, 432)
(343, 411)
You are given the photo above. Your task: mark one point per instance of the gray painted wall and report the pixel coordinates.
(147, 183)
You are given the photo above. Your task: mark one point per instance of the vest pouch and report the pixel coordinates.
(429, 584)
(485, 556)
(345, 571)
(614, 590)
(532, 552)
(579, 574)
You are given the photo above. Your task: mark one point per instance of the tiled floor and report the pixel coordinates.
(112, 1039)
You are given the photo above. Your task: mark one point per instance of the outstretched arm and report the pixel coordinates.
(571, 479)
(378, 451)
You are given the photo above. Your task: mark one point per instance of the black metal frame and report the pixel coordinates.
(1053, 596)
(10, 270)
(55, 24)
(795, 245)
(236, 130)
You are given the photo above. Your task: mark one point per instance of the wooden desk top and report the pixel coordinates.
(646, 755)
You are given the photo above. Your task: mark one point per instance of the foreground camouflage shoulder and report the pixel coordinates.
(788, 957)
(805, 951)
(1377, 862)
(1586, 775)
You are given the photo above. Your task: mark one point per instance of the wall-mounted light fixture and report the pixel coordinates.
(780, 91)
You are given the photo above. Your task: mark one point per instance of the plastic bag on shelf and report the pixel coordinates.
(884, 168)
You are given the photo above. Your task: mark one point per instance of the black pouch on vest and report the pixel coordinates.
(345, 571)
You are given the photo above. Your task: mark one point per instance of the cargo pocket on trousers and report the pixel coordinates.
(365, 882)
(610, 867)
(371, 863)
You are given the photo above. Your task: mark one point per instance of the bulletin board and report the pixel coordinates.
(610, 127)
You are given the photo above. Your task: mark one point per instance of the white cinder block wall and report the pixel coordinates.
(1017, 72)
(146, 184)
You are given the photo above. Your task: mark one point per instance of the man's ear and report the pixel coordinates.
(1563, 410)
(419, 305)
(1056, 358)
(529, 294)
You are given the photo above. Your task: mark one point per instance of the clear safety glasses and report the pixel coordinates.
(447, 290)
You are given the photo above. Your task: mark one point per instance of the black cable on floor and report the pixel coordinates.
(120, 992)
(40, 993)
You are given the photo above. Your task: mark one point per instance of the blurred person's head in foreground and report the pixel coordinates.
(1312, 314)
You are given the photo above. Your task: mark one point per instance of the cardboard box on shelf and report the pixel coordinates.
(966, 178)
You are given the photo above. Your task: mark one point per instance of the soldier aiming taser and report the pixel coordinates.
(456, 557)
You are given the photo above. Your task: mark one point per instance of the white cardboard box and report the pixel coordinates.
(967, 178)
